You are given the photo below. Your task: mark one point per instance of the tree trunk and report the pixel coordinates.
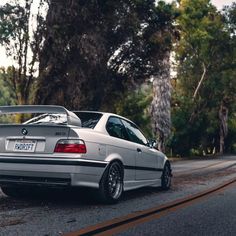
(160, 106)
(223, 116)
(200, 82)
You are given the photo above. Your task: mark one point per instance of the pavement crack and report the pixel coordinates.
(71, 221)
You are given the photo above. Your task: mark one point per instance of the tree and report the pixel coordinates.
(229, 18)
(22, 43)
(6, 95)
(135, 106)
(148, 56)
(97, 50)
(205, 91)
(73, 58)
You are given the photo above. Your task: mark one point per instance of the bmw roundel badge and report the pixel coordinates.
(24, 131)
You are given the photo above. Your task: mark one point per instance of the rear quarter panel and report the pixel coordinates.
(103, 147)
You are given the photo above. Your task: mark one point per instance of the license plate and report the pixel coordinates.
(24, 146)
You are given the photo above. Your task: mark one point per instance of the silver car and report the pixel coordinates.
(52, 146)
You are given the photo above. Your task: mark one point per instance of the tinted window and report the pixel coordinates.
(89, 119)
(135, 135)
(115, 128)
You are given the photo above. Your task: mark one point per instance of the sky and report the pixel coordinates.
(4, 61)
(220, 3)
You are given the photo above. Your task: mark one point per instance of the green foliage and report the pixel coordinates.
(11, 20)
(22, 40)
(134, 106)
(7, 96)
(207, 43)
(191, 138)
(99, 48)
(230, 18)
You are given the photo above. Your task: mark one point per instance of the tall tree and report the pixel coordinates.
(72, 62)
(21, 35)
(205, 86)
(160, 106)
(95, 50)
(149, 57)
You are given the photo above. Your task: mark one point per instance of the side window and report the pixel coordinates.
(135, 135)
(115, 128)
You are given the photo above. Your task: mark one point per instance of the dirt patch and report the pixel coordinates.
(201, 178)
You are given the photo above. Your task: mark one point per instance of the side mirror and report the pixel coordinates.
(152, 143)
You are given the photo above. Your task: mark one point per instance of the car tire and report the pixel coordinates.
(16, 192)
(166, 177)
(111, 184)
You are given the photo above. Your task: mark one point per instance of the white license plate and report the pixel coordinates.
(24, 146)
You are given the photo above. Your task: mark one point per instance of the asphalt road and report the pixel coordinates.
(213, 216)
(61, 212)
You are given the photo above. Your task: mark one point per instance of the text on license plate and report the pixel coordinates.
(24, 146)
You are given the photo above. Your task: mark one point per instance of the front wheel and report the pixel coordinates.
(111, 184)
(166, 177)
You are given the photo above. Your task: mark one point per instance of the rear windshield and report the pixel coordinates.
(34, 118)
(46, 118)
(89, 119)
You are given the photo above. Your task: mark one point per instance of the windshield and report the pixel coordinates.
(89, 119)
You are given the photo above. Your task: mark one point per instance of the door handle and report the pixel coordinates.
(139, 150)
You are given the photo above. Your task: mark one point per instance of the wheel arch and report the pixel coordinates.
(103, 183)
(114, 157)
(167, 162)
(110, 159)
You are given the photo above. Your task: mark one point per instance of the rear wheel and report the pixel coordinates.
(111, 184)
(166, 177)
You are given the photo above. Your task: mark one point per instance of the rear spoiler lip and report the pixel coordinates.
(32, 109)
(72, 119)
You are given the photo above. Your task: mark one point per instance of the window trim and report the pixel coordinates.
(128, 138)
(136, 128)
(117, 117)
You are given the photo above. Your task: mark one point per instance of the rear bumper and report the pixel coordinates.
(7, 180)
(50, 171)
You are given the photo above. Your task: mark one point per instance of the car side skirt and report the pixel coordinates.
(130, 185)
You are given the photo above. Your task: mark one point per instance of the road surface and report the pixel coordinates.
(63, 212)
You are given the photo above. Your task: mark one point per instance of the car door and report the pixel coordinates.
(146, 162)
(121, 146)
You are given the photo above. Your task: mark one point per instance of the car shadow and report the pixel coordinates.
(71, 197)
(48, 197)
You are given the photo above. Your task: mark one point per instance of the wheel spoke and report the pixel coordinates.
(114, 181)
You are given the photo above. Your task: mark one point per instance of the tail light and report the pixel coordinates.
(70, 146)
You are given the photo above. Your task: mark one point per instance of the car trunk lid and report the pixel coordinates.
(31, 138)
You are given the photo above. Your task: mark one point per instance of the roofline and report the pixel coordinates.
(109, 114)
(99, 112)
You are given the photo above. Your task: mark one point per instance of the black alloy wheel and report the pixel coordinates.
(166, 177)
(111, 184)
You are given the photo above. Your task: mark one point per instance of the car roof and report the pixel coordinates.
(107, 114)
